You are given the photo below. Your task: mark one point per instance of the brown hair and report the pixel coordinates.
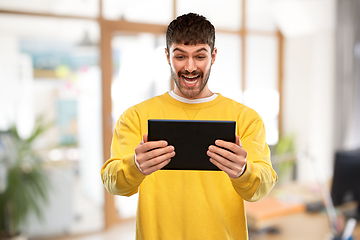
(190, 29)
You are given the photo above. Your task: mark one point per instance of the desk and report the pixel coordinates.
(298, 225)
(302, 226)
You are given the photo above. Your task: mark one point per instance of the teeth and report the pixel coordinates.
(191, 76)
(190, 79)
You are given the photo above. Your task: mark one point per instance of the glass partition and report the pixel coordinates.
(61, 56)
(54, 74)
(88, 8)
(140, 72)
(261, 61)
(225, 14)
(156, 11)
(225, 77)
(259, 15)
(262, 92)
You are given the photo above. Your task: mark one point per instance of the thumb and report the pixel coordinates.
(238, 141)
(145, 138)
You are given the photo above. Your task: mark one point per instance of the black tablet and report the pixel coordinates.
(191, 140)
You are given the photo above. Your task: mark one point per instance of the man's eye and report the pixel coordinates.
(179, 57)
(200, 57)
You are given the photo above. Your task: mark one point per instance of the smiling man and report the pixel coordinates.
(190, 204)
(190, 68)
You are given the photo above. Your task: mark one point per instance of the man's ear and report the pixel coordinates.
(167, 56)
(213, 56)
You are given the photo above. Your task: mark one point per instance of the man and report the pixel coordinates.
(190, 204)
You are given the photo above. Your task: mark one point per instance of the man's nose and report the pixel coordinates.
(190, 65)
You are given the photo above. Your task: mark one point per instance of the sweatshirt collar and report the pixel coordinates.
(192, 101)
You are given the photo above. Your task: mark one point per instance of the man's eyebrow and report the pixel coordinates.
(202, 49)
(199, 50)
(178, 49)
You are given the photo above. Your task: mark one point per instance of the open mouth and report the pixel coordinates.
(190, 81)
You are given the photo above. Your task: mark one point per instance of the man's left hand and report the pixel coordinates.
(229, 157)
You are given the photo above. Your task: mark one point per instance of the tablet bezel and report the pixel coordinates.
(191, 139)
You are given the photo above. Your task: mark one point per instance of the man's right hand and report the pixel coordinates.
(152, 156)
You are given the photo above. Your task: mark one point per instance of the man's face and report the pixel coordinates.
(190, 68)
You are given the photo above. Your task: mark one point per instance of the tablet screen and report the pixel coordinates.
(191, 140)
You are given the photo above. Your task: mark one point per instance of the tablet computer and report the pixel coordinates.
(191, 140)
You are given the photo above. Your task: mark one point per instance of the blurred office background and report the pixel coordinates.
(79, 64)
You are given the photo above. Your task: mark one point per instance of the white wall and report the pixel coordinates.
(308, 89)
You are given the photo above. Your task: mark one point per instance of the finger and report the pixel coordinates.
(224, 160)
(219, 165)
(154, 162)
(216, 151)
(233, 170)
(145, 138)
(147, 146)
(144, 148)
(228, 159)
(156, 167)
(230, 172)
(233, 147)
(159, 152)
(238, 141)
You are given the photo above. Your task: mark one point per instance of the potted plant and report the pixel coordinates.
(25, 183)
(284, 158)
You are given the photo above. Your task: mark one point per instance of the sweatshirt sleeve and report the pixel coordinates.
(259, 177)
(119, 174)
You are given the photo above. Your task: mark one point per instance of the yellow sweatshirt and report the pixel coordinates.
(189, 205)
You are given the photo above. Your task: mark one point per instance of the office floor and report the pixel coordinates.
(296, 227)
(300, 226)
(122, 231)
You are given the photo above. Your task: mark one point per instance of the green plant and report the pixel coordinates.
(27, 183)
(285, 155)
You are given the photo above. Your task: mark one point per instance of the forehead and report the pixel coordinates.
(189, 48)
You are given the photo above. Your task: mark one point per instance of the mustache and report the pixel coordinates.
(193, 73)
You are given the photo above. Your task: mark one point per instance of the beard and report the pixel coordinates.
(187, 91)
